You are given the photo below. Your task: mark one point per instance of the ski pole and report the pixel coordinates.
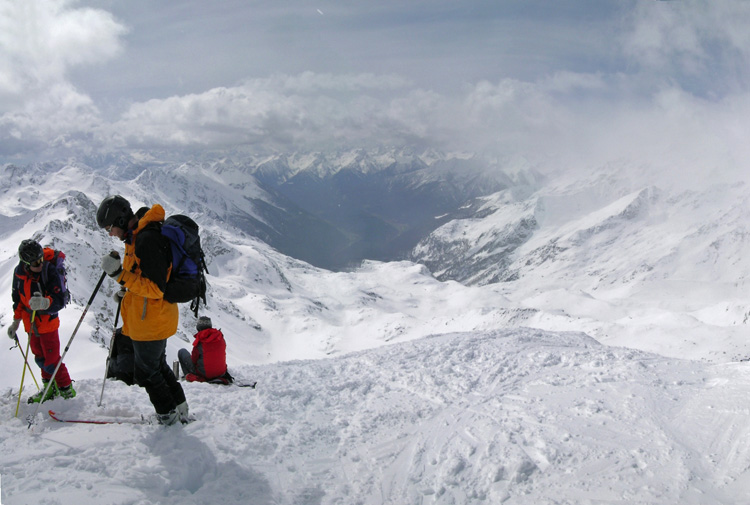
(60, 362)
(109, 356)
(23, 374)
(25, 359)
(20, 390)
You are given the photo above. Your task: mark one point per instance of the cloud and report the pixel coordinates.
(672, 69)
(40, 40)
(282, 112)
(703, 45)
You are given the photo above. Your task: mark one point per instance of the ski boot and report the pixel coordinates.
(169, 418)
(52, 393)
(67, 392)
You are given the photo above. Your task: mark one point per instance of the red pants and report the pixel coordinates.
(46, 349)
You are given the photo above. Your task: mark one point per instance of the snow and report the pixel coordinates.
(509, 416)
(586, 381)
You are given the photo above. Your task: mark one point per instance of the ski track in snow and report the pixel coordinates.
(516, 416)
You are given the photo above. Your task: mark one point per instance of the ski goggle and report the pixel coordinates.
(35, 263)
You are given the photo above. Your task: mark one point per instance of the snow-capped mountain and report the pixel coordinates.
(600, 231)
(563, 250)
(503, 388)
(332, 210)
(383, 202)
(610, 237)
(277, 307)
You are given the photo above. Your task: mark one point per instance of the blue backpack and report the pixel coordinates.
(187, 282)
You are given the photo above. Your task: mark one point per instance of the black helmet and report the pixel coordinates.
(114, 211)
(30, 251)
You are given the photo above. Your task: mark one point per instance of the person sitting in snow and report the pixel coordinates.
(208, 361)
(122, 361)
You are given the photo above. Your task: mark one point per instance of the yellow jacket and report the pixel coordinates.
(145, 270)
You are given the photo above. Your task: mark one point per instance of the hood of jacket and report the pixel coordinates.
(209, 335)
(155, 214)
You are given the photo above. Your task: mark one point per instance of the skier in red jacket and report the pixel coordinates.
(208, 361)
(38, 294)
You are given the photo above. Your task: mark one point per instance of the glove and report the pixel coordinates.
(111, 264)
(13, 328)
(118, 296)
(39, 302)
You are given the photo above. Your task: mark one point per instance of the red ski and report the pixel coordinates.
(114, 420)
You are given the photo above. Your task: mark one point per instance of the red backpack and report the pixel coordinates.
(210, 348)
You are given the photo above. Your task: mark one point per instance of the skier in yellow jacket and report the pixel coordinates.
(147, 318)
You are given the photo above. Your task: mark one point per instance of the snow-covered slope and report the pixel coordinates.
(509, 416)
(660, 266)
(613, 229)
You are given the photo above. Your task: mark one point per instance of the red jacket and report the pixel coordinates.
(47, 282)
(210, 353)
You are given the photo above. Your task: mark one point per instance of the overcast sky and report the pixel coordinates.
(504, 77)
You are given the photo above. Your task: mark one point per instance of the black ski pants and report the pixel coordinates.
(153, 373)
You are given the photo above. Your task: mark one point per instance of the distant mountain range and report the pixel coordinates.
(332, 210)
(372, 205)
(466, 219)
(559, 250)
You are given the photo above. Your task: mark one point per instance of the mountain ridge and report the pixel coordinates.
(332, 210)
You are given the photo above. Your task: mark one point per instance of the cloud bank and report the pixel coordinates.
(675, 84)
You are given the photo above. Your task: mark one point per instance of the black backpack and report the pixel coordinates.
(187, 282)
